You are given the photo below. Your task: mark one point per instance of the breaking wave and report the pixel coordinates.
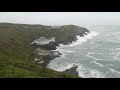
(65, 49)
(82, 71)
(81, 40)
(97, 56)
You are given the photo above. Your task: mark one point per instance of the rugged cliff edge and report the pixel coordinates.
(72, 70)
(16, 52)
(44, 56)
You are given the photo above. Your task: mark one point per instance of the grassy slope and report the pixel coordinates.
(15, 48)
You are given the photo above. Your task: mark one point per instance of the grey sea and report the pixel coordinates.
(97, 54)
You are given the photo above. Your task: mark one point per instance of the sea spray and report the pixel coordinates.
(97, 55)
(82, 71)
(81, 40)
(63, 66)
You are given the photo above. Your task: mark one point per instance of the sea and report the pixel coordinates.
(96, 54)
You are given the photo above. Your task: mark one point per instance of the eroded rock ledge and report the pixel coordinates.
(44, 56)
(45, 44)
(72, 70)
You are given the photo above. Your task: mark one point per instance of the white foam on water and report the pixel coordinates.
(60, 67)
(82, 71)
(113, 70)
(89, 73)
(109, 65)
(118, 49)
(85, 38)
(89, 55)
(70, 51)
(117, 56)
(99, 64)
(80, 40)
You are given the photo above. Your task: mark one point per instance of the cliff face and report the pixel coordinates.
(67, 34)
(15, 49)
(63, 35)
(72, 70)
(43, 56)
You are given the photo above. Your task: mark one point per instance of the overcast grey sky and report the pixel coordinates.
(62, 18)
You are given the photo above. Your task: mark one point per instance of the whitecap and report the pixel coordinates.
(85, 38)
(90, 56)
(81, 40)
(99, 64)
(89, 73)
(60, 67)
(70, 51)
(113, 70)
(82, 71)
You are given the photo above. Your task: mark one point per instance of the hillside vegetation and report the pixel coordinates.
(15, 48)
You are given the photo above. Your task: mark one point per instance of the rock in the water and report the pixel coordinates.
(72, 71)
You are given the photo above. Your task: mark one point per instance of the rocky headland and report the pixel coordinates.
(44, 49)
(22, 56)
(43, 56)
(72, 70)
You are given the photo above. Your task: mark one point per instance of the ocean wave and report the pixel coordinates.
(99, 64)
(89, 73)
(70, 51)
(113, 70)
(109, 65)
(60, 67)
(85, 38)
(65, 49)
(116, 56)
(96, 59)
(81, 40)
(82, 71)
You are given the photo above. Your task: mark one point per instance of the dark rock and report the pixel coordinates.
(72, 71)
(50, 46)
(53, 46)
(46, 61)
(49, 57)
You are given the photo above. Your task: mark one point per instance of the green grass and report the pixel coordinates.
(15, 48)
(16, 68)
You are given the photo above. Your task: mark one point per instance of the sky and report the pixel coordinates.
(62, 18)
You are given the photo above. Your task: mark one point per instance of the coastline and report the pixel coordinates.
(17, 54)
(51, 56)
(81, 40)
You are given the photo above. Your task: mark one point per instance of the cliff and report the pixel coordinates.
(16, 59)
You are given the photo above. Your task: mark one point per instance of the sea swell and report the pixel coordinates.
(67, 49)
(81, 40)
(63, 48)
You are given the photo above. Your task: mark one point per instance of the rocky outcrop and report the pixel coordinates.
(48, 58)
(43, 56)
(50, 46)
(44, 53)
(72, 70)
(43, 41)
(47, 40)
